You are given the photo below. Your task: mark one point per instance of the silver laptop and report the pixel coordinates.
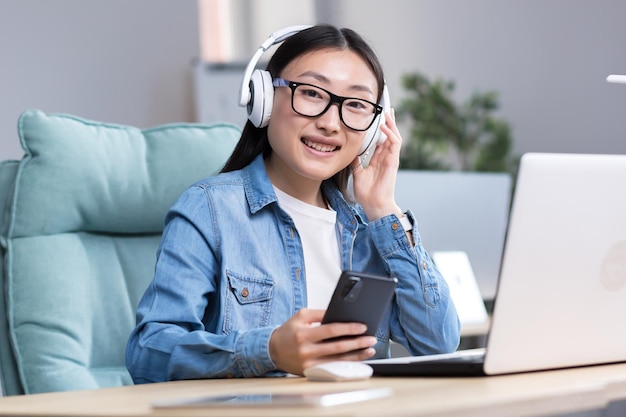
(561, 296)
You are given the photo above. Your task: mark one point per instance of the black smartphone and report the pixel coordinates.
(360, 298)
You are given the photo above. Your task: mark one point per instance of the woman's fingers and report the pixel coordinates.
(300, 342)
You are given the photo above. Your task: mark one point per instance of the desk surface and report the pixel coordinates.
(530, 394)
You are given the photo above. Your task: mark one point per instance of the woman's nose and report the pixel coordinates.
(330, 119)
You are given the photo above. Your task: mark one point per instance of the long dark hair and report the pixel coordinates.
(254, 140)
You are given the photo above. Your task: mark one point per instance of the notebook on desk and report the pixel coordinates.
(561, 296)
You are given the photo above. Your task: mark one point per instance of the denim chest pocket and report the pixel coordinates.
(248, 302)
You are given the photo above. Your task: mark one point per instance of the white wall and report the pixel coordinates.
(121, 61)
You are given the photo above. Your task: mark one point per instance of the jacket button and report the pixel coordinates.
(395, 226)
(424, 267)
(245, 292)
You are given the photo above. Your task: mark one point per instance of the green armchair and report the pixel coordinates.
(81, 219)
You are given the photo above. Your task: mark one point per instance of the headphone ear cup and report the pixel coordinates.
(261, 98)
(374, 136)
(371, 135)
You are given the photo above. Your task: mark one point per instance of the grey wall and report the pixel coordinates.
(548, 58)
(121, 61)
(128, 61)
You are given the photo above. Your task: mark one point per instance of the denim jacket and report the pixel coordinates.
(230, 270)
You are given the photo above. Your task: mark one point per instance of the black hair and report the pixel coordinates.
(253, 140)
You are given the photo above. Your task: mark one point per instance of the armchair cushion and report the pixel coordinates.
(80, 229)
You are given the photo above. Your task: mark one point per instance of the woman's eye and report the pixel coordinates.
(356, 105)
(311, 93)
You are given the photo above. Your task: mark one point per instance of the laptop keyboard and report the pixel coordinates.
(473, 357)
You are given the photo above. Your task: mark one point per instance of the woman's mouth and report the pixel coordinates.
(319, 146)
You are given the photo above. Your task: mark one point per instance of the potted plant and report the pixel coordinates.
(457, 172)
(446, 135)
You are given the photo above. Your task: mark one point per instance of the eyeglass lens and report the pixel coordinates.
(309, 100)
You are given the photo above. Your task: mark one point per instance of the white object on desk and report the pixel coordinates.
(457, 271)
(615, 78)
(339, 371)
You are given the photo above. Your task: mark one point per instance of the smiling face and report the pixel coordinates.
(308, 150)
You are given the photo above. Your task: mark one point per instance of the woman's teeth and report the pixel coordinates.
(319, 146)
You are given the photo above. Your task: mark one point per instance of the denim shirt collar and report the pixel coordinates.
(347, 214)
(259, 190)
(260, 193)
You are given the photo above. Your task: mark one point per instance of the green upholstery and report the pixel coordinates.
(82, 217)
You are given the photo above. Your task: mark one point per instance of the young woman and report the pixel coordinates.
(249, 258)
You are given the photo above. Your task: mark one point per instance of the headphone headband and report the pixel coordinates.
(276, 37)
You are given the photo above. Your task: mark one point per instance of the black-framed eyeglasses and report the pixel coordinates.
(311, 101)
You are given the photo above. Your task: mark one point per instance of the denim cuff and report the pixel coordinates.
(389, 235)
(252, 352)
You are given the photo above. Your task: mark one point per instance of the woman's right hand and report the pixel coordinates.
(300, 343)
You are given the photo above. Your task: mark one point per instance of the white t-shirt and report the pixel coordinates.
(318, 233)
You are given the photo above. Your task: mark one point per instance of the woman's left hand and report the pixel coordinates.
(374, 185)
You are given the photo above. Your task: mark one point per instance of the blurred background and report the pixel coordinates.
(149, 62)
(133, 61)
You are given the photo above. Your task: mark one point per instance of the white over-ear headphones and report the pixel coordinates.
(374, 136)
(257, 94)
